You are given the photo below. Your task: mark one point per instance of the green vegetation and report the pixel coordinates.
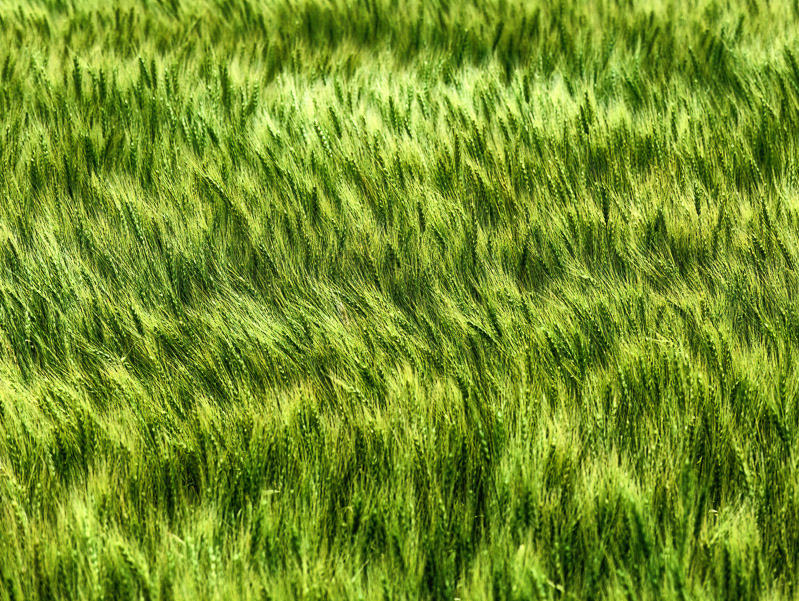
(314, 299)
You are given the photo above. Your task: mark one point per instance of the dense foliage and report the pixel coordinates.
(479, 299)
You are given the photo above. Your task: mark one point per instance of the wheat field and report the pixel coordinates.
(397, 300)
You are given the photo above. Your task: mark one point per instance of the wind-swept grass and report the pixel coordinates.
(396, 300)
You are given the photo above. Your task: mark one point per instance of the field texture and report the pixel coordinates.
(320, 299)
